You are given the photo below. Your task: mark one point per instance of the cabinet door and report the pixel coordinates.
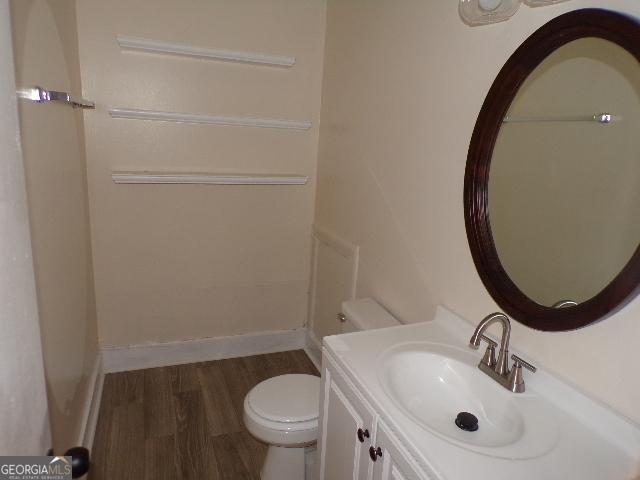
(342, 455)
(394, 464)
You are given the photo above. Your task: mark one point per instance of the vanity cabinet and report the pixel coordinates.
(354, 444)
(394, 464)
(347, 427)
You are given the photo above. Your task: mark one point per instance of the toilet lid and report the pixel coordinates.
(286, 398)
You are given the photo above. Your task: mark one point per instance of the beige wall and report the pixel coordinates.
(564, 197)
(176, 262)
(23, 416)
(403, 85)
(45, 45)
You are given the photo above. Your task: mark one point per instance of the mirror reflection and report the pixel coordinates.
(564, 184)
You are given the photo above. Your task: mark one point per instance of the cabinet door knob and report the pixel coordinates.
(374, 453)
(362, 434)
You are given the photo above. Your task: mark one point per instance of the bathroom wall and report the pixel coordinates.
(334, 272)
(177, 262)
(23, 416)
(45, 46)
(403, 85)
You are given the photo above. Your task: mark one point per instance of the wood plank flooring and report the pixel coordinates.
(185, 421)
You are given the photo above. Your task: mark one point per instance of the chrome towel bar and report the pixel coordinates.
(42, 95)
(602, 118)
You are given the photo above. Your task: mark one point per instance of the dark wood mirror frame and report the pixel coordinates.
(614, 27)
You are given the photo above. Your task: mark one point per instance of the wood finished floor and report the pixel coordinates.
(184, 421)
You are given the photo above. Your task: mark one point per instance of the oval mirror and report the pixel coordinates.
(552, 184)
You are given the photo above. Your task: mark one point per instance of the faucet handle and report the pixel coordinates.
(489, 358)
(517, 361)
(515, 379)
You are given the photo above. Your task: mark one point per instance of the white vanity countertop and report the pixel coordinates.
(594, 443)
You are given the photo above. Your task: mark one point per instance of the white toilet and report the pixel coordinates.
(283, 411)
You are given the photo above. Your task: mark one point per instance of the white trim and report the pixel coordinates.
(135, 357)
(343, 247)
(326, 375)
(205, 178)
(176, 117)
(313, 349)
(313, 282)
(91, 407)
(154, 46)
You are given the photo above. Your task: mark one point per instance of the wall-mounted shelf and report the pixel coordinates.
(154, 46)
(143, 177)
(176, 117)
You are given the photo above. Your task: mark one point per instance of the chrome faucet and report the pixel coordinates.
(499, 369)
(502, 367)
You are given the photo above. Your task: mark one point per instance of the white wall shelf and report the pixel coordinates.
(176, 117)
(154, 46)
(143, 177)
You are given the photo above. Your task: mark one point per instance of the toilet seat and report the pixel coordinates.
(286, 398)
(283, 410)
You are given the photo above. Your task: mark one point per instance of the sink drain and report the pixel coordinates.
(467, 421)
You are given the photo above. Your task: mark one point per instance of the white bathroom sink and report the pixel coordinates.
(432, 383)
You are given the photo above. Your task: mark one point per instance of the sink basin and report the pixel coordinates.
(432, 383)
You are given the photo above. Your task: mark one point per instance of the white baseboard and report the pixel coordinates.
(313, 349)
(91, 407)
(137, 357)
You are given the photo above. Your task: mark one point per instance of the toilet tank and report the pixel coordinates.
(365, 314)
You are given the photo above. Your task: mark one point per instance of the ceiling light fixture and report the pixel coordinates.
(483, 12)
